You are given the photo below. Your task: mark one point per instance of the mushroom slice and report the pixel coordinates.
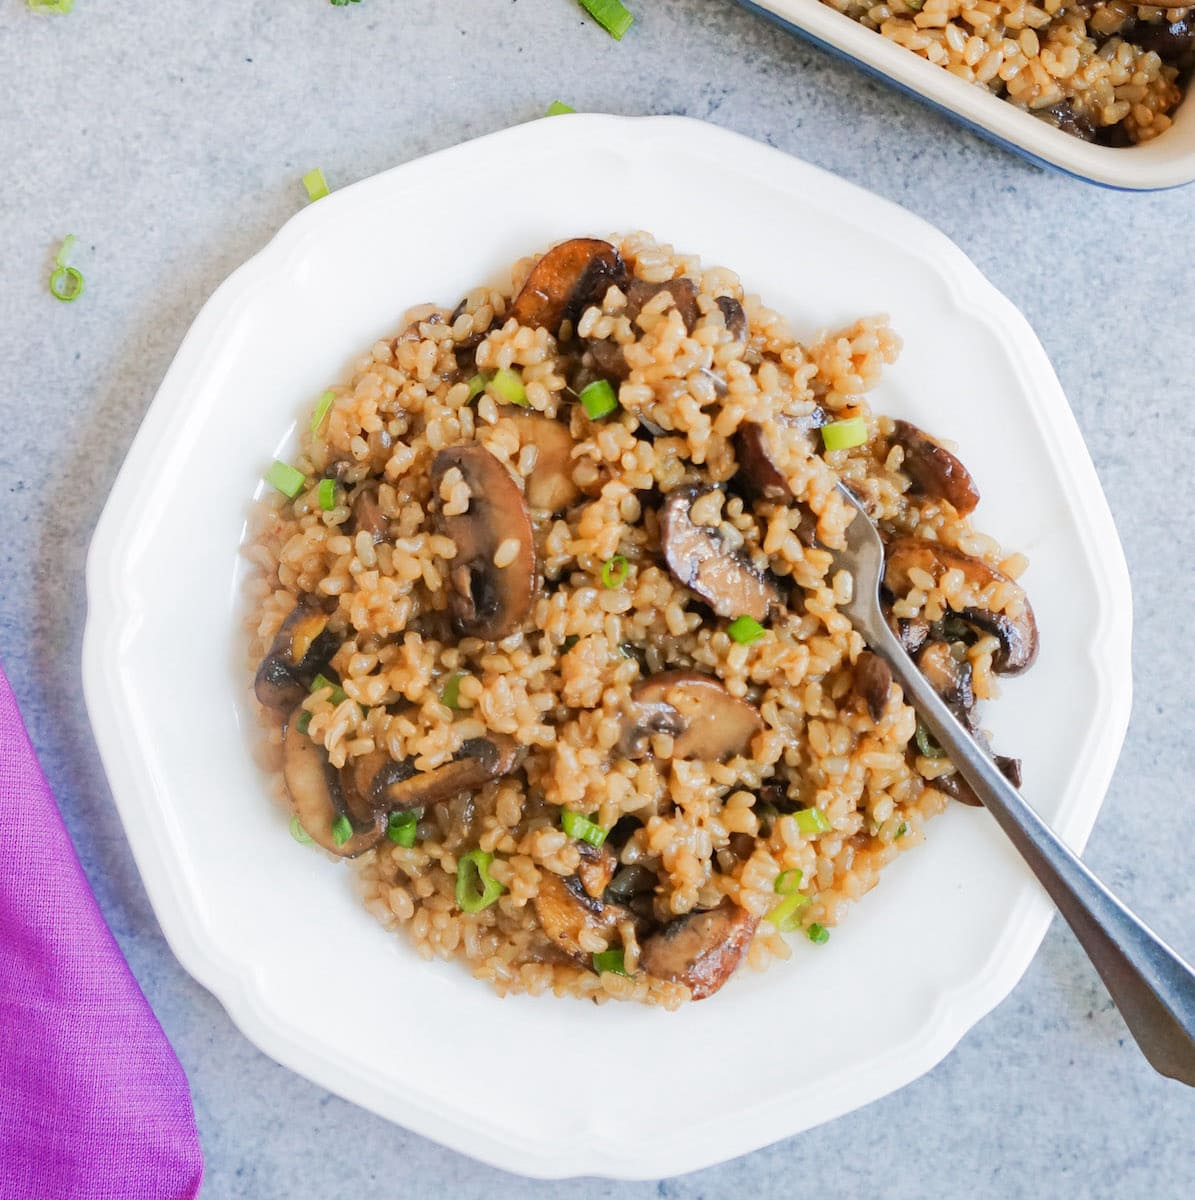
(683, 292)
(318, 796)
(487, 601)
(950, 677)
(368, 516)
(565, 281)
(302, 646)
(398, 785)
(699, 558)
(957, 788)
(597, 867)
(935, 472)
(758, 461)
(566, 912)
(873, 682)
(550, 485)
(701, 949)
(1017, 635)
(734, 316)
(706, 721)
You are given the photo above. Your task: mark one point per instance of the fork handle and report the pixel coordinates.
(1152, 986)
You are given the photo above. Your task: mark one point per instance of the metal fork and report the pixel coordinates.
(1151, 985)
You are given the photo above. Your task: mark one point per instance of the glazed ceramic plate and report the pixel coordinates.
(1166, 161)
(546, 1086)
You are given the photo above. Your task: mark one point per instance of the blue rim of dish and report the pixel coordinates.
(986, 134)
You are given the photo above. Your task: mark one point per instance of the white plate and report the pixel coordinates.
(543, 1086)
(1167, 161)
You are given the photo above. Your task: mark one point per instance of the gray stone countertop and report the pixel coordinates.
(171, 138)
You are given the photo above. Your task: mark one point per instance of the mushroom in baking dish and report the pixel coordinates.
(1017, 635)
(607, 356)
(565, 281)
(700, 949)
(368, 516)
(704, 719)
(301, 648)
(697, 555)
(493, 574)
(934, 471)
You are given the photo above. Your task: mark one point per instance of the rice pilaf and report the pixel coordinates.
(574, 691)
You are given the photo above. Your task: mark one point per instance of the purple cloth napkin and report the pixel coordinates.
(93, 1102)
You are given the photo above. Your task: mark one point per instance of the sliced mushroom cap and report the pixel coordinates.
(488, 601)
(697, 555)
(701, 949)
(596, 869)
(957, 788)
(935, 472)
(873, 682)
(950, 677)
(683, 292)
(705, 720)
(734, 316)
(301, 648)
(1017, 635)
(759, 461)
(565, 281)
(368, 516)
(1172, 41)
(398, 785)
(318, 795)
(566, 912)
(550, 485)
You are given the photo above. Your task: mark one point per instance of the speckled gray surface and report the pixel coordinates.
(171, 138)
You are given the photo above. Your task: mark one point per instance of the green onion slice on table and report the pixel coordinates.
(612, 15)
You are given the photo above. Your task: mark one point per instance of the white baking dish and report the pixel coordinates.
(1167, 161)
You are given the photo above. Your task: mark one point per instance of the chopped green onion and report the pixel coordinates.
(582, 828)
(569, 642)
(842, 435)
(66, 284)
(287, 479)
(509, 387)
(401, 827)
(476, 387)
(612, 15)
(614, 571)
(327, 494)
(68, 243)
(323, 406)
(60, 6)
(342, 830)
(787, 882)
(812, 820)
(558, 108)
(745, 630)
(818, 934)
(299, 833)
(476, 888)
(925, 741)
(610, 960)
(902, 829)
(786, 916)
(450, 697)
(342, 3)
(316, 184)
(598, 399)
(304, 722)
(339, 696)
